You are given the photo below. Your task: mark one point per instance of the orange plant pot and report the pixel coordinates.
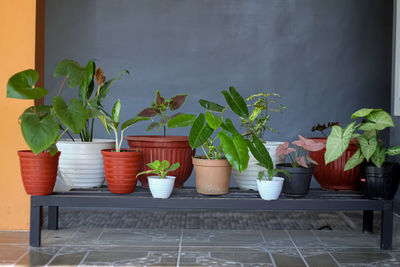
(333, 176)
(120, 169)
(171, 148)
(38, 172)
(212, 176)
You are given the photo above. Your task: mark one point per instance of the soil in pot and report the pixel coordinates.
(171, 148)
(120, 169)
(298, 184)
(333, 176)
(380, 183)
(212, 176)
(270, 189)
(38, 172)
(161, 187)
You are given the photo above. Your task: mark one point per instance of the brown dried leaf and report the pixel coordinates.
(100, 77)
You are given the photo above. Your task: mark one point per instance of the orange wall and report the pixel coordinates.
(17, 52)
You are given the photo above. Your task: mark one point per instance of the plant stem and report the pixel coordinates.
(121, 139)
(116, 140)
(91, 131)
(205, 153)
(164, 131)
(62, 86)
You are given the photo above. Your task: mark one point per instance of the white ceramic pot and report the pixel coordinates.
(270, 189)
(247, 179)
(161, 187)
(81, 163)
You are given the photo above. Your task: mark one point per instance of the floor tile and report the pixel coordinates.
(133, 256)
(305, 239)
(396, 232)
(38, 256)
(11, 237)
(67, 259)
(9, 254)
(140, 237)
(347, 239)
(370, 258)
(287, 260)
(223, 256)
(321, 260)
(221, 238)
(276, 238)
(58, 237)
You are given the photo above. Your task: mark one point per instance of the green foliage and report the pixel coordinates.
(367, 134)
(163, 109)
(22, 86)
(112, 122)
(160, 168)
(84, 79)
(262, 104)
(232, 145)
(39, 125)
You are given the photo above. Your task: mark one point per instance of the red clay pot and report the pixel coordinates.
(120, 169)
(38, 172)
(333, 176)
(171, 148)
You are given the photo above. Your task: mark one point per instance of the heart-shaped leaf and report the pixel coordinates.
(368, 147)
(74, 115)
(200, 132)
(39, 132)
(338, 141)
(71, 69)
(355, 160)
(21, 86)
(381, 118)
(393, 151)
(235, 150)
(363, 112)
(379, 156)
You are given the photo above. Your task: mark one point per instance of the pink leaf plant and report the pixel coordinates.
(301, 156)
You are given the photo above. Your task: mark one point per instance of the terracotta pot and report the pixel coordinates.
(120, 169)
(38, 172)
(333, 176)
(212, 176)
(171, 148)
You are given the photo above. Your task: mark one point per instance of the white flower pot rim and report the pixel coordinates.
(78, 141)
(158, 177)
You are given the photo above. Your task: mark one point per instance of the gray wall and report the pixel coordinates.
(326, 58)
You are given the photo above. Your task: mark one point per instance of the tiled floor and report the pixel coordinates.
(191, 247)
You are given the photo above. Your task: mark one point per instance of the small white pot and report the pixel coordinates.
(81, 163)
(161, 187)
(270, 189)
(247, 179)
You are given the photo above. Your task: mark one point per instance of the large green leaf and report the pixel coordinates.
(393, 151)
(107, 85)
(71, 69)
(87, 84)
(132, 121)
(236, 102)
(21, 86)
(363, 112)
(39, 132)
(338, 141)
(260, 153)
(355, 160)
(200, 131)
(116, 111)
(379, 156)
(381, 118)
(211, 105)
(235, 150)
(229, 127)
(182, 120)
(213, 120)
(74, 115)
(368, 147)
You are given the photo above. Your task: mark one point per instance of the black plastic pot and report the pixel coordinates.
(298, 184)
(380, 183)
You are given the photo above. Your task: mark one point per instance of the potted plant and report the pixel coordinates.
(300, 167)
(161, 186)
(40, 126)
(81, 164)
(121, 166)
(332, 176)
(171, 148)
(379, 178)
(269, 185)
(228, 148)
(257, 124)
